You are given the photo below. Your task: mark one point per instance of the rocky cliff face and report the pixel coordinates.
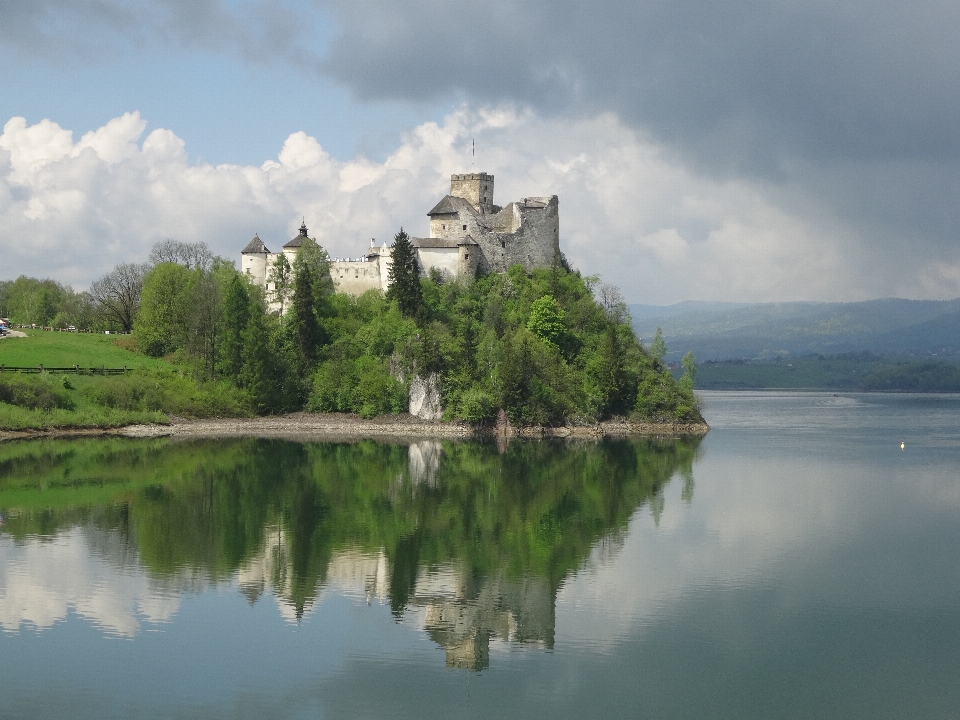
(425, 397)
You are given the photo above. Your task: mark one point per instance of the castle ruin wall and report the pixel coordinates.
(355, 277)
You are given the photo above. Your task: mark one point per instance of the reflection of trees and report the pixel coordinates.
(479, 539)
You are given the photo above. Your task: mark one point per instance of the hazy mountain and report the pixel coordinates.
(732, 330)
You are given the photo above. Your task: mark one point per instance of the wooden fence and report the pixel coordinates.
(75, 370)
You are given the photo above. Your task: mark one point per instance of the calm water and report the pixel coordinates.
(795, 563)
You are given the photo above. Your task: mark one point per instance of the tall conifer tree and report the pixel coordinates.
(236, 311)
(405, 276)
(312, 286)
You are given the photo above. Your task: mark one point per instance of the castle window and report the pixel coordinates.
(464, 227)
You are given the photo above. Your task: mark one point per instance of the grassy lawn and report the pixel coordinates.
(62, 349)
(149, 393)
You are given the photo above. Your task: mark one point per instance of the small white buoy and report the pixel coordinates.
(902, 446)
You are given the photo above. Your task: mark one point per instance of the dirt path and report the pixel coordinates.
(336, 426)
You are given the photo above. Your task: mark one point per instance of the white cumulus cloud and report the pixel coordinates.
(42, 581)
(72, 209)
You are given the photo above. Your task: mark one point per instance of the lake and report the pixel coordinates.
(802, 560)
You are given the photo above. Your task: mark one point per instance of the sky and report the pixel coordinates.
(749, 151)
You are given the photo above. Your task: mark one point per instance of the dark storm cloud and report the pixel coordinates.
(64, 31)
(855, 103)
(830, 80)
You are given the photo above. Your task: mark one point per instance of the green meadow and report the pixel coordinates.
(64, 349)
(151, 390)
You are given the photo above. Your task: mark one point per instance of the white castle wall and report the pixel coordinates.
(254, 265)
(446, 260)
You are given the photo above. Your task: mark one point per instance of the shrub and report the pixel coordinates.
(37, 392)
(476, 405)
(167, 393)
(377, 391)
(333, 386)
(364, 386)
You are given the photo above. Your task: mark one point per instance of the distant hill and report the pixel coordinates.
(719, 331)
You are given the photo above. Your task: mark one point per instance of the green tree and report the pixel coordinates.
(611, 376)
(546, 320)
(689, 363)
(281, 276)
(517, 375)
(205, 321)
(312, 287)
(162, 325)
(29, 300)
(404, 276)
(236, 315)
(5, 286)
(76, 310)
(658, 348)
(259, 373)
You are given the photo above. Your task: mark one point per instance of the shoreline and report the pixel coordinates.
(341, 426)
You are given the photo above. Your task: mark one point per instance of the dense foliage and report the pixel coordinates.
(536, 347)
(45, 302)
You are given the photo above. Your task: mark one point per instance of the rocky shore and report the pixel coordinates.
(337, 426)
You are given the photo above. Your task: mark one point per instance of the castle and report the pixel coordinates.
(468, 234)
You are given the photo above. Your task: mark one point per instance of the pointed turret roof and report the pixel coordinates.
(255, 246)
(298, 240)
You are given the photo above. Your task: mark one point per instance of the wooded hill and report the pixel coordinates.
(536, 347)
(721, 331)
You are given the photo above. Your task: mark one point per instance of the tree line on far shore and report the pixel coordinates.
(542, 347)
(112, 302)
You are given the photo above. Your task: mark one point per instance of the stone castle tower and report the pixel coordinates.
(525, 232)
(468, 234)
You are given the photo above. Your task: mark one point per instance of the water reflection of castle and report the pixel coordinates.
(459, 613)
(467, 602)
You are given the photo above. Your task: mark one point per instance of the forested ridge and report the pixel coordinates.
(543, 348)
